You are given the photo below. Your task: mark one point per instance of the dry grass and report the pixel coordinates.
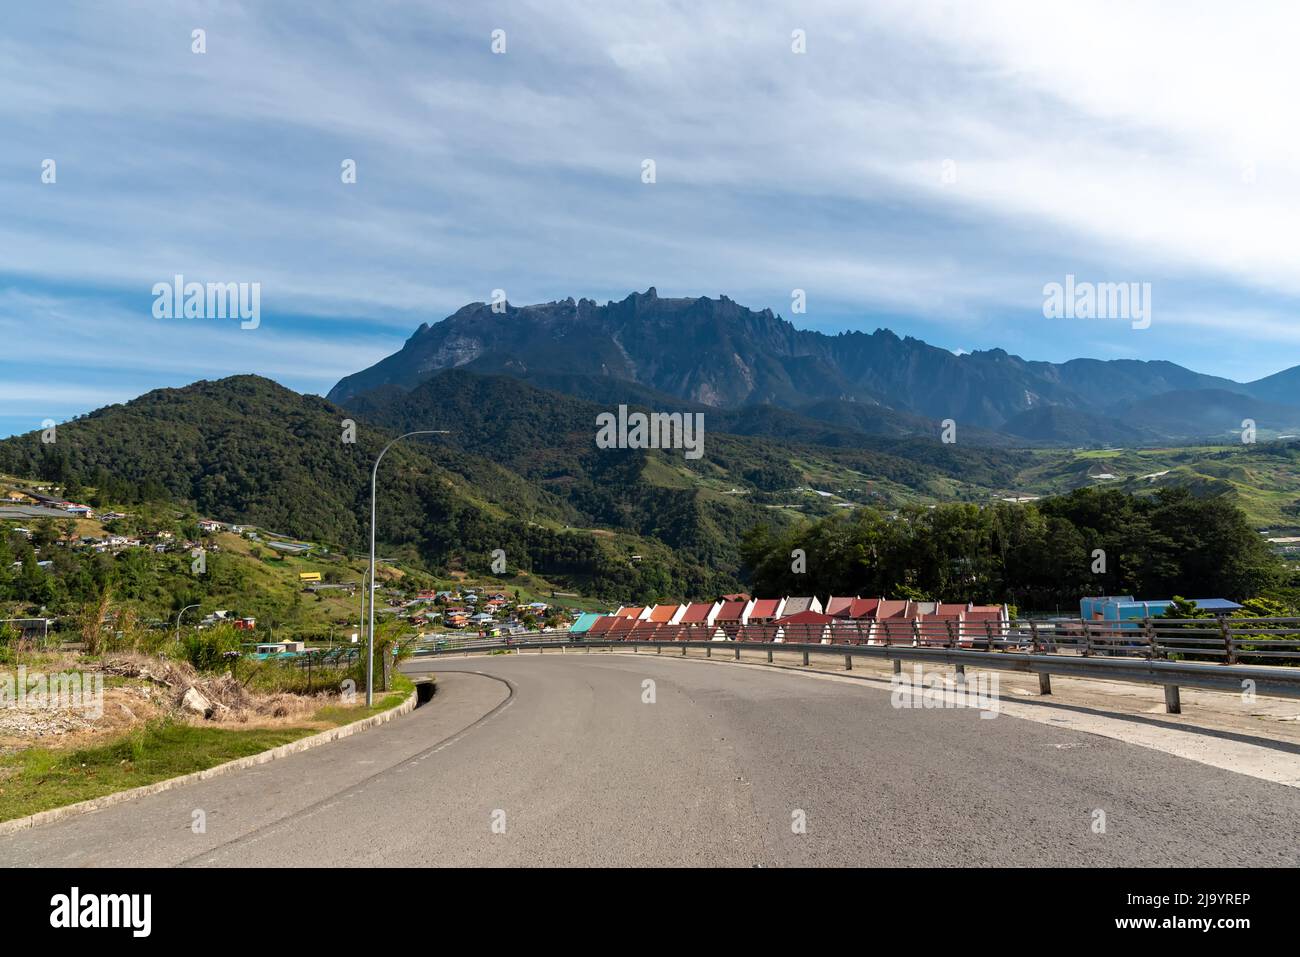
(235, 704)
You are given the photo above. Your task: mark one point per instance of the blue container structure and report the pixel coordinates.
(1125, 612)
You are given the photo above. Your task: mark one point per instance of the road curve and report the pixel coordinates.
(559, 760)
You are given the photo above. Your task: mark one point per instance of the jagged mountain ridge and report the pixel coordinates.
(720, 354)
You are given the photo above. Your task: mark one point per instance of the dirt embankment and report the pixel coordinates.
(133, 689)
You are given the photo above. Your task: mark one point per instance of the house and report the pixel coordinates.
(838, 607)
(764, 611)
(1125, 608)
(805, 627)
(583, 623)
(795, 606)
(635, 612)
(864, 608)
(699, 614)
(731, 616)
(622, 627)
(82, 511)
(271, 649)
(664, 614)
(939, 624)
(292, 548)
(208, 525)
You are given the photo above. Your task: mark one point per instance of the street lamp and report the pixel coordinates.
(178, 618)
(370, 640)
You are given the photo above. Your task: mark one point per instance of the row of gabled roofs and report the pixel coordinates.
(807, 609)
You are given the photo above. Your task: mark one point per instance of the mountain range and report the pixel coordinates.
(718, 355)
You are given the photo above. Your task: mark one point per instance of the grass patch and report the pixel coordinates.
(346, 714)
(40, 778)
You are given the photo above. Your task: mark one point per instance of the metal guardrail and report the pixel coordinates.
(1216, 654)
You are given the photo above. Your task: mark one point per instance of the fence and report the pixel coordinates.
(1224, 654)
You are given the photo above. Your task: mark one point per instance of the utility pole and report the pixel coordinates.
(370, 638)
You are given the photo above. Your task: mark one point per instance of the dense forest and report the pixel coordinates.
(1037, 556)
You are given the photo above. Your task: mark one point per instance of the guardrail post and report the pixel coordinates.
(587, 649)
(848, 662)
(636, 648)
(683, 650)
(737, 652)
(898, 666)
(1229, 647)
(708, 651)
(769, 654)
(1173, 703)
(1044, 683)
(659, 649)
(805, 656)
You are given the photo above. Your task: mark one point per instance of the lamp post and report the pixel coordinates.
(370, 639)
(178, 618)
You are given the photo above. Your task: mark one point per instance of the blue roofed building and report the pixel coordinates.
(1123, 608)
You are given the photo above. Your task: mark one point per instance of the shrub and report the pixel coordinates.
(205, 649)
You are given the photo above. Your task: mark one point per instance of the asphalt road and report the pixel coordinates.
(557, 760)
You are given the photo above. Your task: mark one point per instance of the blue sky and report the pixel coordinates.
(1118, 142)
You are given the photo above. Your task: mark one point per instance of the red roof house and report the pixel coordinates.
(766, 609)
(700, 613)
(839, 607)
(805, 627)
(864, 607)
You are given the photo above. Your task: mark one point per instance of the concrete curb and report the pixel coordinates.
(238, 764)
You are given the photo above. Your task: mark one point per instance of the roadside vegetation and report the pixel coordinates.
(40, 778)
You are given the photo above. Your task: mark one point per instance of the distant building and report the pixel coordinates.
(1118, 608)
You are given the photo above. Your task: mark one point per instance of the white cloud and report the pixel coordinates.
(1102, 138)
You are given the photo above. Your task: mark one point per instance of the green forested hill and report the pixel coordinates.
(245, 449)
(520, 471)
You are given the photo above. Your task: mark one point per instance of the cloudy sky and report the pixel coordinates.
(928, 167)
